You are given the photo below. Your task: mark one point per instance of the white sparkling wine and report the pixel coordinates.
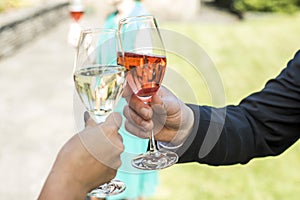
(100, 87)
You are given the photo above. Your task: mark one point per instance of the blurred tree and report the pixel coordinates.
(287, 6)
(230, 6)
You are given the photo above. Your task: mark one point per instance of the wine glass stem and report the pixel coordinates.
(152, 146)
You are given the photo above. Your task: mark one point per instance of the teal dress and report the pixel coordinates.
(139, 183)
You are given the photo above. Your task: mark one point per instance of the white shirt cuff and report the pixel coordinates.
(168, 145)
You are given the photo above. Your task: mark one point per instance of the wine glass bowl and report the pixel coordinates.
(76, 10)
(99, 82)
(100, 88)
(144, 57)
(145, 79)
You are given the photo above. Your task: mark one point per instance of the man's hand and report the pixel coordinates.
(171, 119)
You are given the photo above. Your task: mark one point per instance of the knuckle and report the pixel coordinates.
(118, 163)
(143, 134)
(126, 111)
(137, 120)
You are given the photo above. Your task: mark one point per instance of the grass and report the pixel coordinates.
(246, 54)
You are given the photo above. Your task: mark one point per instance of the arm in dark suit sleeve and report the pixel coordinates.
(263, 124)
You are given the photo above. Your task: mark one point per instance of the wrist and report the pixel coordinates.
(61, 185)
(63, 181)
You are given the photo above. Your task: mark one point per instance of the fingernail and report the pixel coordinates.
(86, 116)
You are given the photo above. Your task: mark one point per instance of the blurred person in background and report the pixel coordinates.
(139, 183)
(123, 9)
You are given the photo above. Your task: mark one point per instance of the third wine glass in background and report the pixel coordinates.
(76, 10)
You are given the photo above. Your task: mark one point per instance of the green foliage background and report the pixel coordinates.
(286, 6)
(246, 55)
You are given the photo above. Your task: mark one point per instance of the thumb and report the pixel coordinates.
(111, 126)
(156, 100)
(157, 104)
(88, 120)
(114, 120)
(159, 96)
(127, 92)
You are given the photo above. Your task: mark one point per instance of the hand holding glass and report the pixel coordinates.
(145, 60)
(99, 83)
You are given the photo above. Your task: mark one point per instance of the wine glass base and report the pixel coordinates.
(155, 160)
(108, 189)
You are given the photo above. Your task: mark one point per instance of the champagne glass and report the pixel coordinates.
(99, 83)
(76, 10)
(145, 60)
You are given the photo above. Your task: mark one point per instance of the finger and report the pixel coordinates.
(114, 120)
(86, 116)
(161, 97)
(134, 130)
(88, 120)
(110, 127)
(141, 109)
(134, 118)
(127, 91)
(100, 146)
(156, 100)
(158, 106)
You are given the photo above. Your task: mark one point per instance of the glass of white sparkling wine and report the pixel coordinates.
(99, 83)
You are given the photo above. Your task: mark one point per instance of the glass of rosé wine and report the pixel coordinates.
(144, 57)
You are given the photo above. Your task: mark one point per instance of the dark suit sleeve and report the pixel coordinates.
(265, 123)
